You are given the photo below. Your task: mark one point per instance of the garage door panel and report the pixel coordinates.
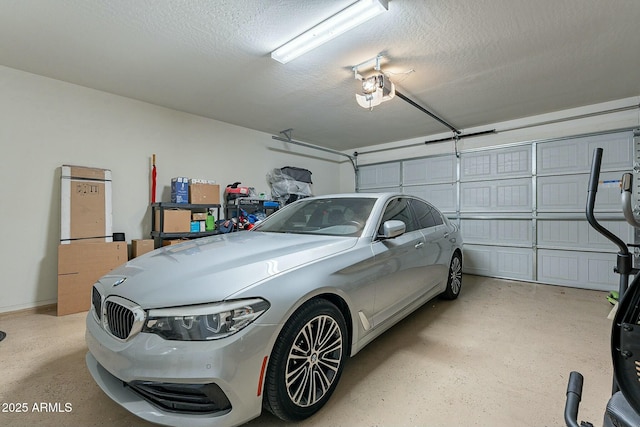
(568, 193)
(560, 233)
(489, 231)
(478, 260)
(578, 234)
(379, 176)
(397, 189)
(618, 151)
(601, 273)
(575, 155)
(442, 196)
(562, 157)
(431, 170)
(498, 163)
(476, 197)
(558, 266)
(509, 195)
(515, 263)
(589, 270)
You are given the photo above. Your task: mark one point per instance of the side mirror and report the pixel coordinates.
(393, 228)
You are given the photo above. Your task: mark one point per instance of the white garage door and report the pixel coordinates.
(521, 207)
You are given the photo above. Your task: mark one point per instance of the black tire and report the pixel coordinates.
(454, 280)
(313, 341)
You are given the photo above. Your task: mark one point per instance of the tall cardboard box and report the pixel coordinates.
(79, 266)
(86, 211)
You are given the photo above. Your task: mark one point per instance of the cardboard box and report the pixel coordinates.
(201, 193)
(141, 246)
(175, 221)
(180, 190)
(199, 216)
(79, 267)
(86, 211)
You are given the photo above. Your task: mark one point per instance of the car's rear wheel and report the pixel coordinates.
(307, 361)
(454, 281)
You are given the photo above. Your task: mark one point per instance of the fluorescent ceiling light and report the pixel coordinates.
(341, 22)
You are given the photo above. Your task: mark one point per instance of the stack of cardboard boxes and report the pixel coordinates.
(188, 191)
(194, 191)
(87, 250)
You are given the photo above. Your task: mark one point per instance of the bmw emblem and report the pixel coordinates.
(119, 282)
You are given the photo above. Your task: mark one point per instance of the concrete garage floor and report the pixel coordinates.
(498, 356)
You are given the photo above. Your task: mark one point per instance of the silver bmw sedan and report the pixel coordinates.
(211, 331)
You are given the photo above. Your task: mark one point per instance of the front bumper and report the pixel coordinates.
(234, 364)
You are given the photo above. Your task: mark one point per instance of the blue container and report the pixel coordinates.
(180, 190)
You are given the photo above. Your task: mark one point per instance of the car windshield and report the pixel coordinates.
(342, 216)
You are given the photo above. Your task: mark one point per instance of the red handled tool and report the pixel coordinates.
(154, 175)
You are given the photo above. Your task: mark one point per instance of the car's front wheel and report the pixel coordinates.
(307, 361)
(454, 281)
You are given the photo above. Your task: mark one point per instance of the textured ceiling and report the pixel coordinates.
(474, 62)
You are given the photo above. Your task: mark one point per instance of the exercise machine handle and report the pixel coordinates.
(594, 179)
(574, 395)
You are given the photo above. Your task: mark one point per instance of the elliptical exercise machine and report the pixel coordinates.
(623, 408)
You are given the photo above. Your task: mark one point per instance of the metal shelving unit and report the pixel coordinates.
(161, 207)
(233, 207)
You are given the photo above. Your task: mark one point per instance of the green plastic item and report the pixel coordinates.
(210, 223)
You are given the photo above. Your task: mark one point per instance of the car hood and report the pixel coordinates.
(213, 268)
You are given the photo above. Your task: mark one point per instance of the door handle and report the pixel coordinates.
(419, 245)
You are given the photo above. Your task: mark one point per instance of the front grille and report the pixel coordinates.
(119, 319)
(96, 301)
(184, 398)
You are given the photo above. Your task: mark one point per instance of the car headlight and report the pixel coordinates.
(204, 322)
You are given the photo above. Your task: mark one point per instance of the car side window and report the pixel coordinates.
(437, 216)
(398, 209)
(426, 215)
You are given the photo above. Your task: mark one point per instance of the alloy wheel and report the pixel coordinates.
(455, 274)
(314, 361)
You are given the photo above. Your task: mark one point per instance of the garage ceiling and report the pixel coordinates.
(470, 62)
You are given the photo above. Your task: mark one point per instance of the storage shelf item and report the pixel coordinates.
(250, 206)
(173, 221)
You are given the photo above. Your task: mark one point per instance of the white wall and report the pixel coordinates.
(47, 123)
(576, 121)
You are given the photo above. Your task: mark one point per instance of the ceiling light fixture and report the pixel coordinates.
(370, 84)
(348, 18)
(376, 89)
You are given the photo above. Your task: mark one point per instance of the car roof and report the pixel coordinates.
(382, 195)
